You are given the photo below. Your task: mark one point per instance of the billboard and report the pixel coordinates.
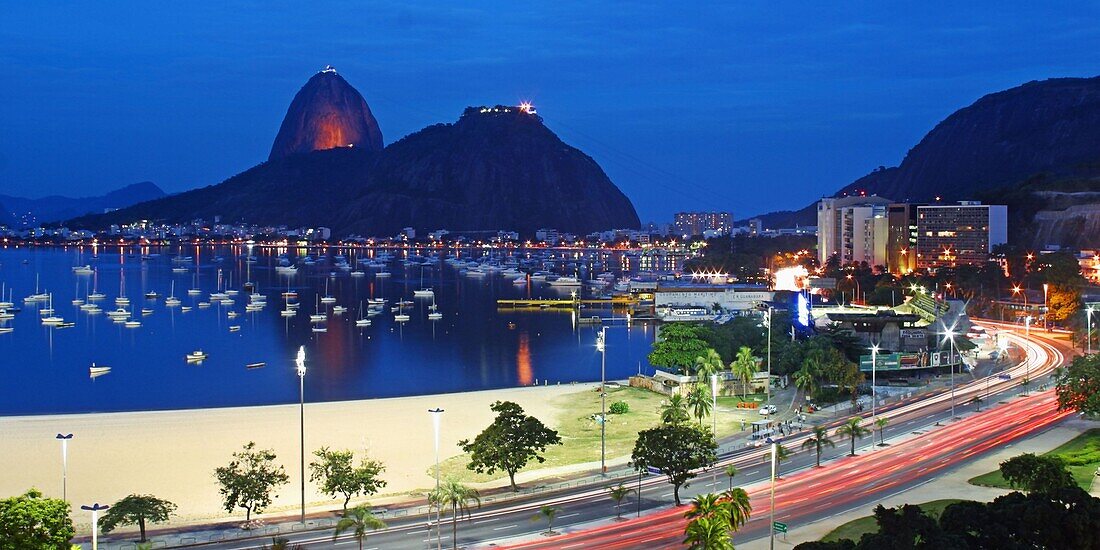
(890, 362)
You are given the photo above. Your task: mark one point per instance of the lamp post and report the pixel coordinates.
(601, 345)
(874, 368)
(437, 415)
(771, 507)
(95, 509)
(768, 385)
(64, 439)
(1088, 331)
(949, 333)
(714, 404)
(300, 363)
(1046, 307)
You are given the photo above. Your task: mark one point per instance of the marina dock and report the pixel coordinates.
(568, 302)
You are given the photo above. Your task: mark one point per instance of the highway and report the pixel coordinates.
(805, 494)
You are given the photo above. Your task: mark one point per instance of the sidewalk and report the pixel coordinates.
(950, 485)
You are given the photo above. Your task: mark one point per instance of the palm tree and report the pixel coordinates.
(737, 500)
(706, 533)
(881, 423)
(548, 513)
(358, 520)
(674, 411)
(731, 471)
(618, 494)
(707, 364)
(818, 440)
(852, 429)
(743, 367)
(805, 380)
(708, 505)
(700, 402)
(458, 497)
(781, 454)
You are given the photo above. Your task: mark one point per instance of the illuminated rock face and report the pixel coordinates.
(326, 113)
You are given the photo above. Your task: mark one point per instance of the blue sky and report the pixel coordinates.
(740, 106)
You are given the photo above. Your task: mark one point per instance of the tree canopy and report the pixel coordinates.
(1079, 385)
(676, 450)
(1037, 473)
(677, 347)
(250, 479)
(33, 522)
(510, 442)
(136, 510)
(337, 474)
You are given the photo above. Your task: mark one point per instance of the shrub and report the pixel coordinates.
(619, 407)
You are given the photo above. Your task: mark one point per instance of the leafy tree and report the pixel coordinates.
(675, 410)
(547, 513)
(136, 510)
(510, 442)
(707, 364)
(818, 440)
(678, 346)
(358, 520)
(699, 401)
(458, 497)
(731, 471)
(249, 479)
(853, 429)
(880, 424)
(1078, 385)
(744, 366)
(675, 449)
(32, 522)
(337, 475)
(805, 380)
(618, 493)
(1037, 473)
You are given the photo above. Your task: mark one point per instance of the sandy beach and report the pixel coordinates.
(172, 454)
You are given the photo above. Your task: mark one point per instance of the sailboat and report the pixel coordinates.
(51, 319)
(5, 304)
(121, 300)
(328, 298)
(171, 300)
(95, 372)
(362, 321)
(96, 295)
(434, 313)
(37, 296)
(195, 290)
(317, 317)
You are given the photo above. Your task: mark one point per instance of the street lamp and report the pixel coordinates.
(949, 334)
(1088, 331)
(768, 385)
(714, 404)
(95, 509)
(601, 345)
(437, 416)
(1046, 307)
(64, 439)
(874, 367)
(771, 507)
(300, 363)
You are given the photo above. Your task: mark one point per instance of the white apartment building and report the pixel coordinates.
(856, 229)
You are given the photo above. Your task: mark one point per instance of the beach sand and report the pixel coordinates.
(173, 454)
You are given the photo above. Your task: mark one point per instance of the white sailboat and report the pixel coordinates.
(171, 300)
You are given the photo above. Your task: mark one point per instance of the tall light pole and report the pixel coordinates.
(949, 333)
(874, 367)
(95, 509)
(1088, 331)
(601, 345)
(771, 508)
(714, 404)
(300, 363)
(64, 439)
(1046, 307)
(768, 385)
(437, 416)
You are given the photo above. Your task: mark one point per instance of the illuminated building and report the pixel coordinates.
(853, 228)
(690, 224)
(959, 234)
(901, 240)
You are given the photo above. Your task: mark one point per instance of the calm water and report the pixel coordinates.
(474, 347)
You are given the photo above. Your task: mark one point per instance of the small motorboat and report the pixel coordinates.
(132, 324)
(435, 316)
(96, 372)
(234, 328)
(401, 317)
(424, 293)
(255, 365)
(197, 356)
(362, 322)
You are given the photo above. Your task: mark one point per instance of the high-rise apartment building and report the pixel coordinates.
(855, 229)
(901, 241)
(959, 234)
(691, 224)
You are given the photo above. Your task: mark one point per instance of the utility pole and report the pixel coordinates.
(771, 508)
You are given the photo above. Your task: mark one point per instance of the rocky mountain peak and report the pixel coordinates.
(325, 114)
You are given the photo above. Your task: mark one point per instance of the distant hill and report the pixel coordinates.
(56, 208)
(1008, 140)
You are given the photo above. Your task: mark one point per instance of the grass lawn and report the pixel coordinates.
(580, 434)
(856, 528)
(1083, 473)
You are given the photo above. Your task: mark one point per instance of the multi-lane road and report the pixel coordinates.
(927, 442)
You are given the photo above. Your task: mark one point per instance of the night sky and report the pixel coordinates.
(740, 106)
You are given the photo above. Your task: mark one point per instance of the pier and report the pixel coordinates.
(568, 302)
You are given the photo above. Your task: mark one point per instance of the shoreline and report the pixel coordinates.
(118, 453)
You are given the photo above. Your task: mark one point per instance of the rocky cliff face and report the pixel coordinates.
(326, 113)
(495, 168)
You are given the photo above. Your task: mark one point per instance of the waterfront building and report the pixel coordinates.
(959, 234)
(853, 228)
(686, 301)
(691, 224)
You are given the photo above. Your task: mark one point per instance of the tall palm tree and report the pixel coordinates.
(743, 367)
(881, 423)
(805, 380)
(674, 411)
(818, 440)
(458, 497)
(548, 513)
(781, 454)
(713, 517)
(731, 471)
(700, 402)
(737, 500)
(619, 493)
(708, 505)
(853, 429)
(358, 520)
(707, 364)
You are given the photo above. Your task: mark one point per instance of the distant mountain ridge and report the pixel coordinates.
(56, 208)
(1048, 129)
